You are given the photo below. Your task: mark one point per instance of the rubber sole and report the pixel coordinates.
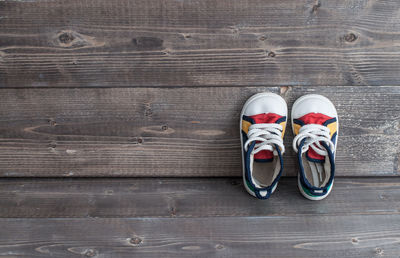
(313, 198)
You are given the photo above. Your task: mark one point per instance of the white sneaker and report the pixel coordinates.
(315, 126)
(262, 127)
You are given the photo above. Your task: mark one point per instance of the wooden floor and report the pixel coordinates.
(119, 127)
(196, 217)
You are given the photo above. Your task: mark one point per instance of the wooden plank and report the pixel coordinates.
(178, 198)
(196, 217)
(198, 43)
(282, 236)
(177, 132)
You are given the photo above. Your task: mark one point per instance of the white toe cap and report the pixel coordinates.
(313, 103)
(265, 103)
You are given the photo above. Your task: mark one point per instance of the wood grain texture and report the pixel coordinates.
(284, 236)
(199, 43)
(196, 218)
(189, 198)
(177, 132)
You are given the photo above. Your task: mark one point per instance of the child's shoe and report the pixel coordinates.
(315, 126)
(262, 127)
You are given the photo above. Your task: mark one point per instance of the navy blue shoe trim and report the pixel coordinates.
(317, 191)
(256, 189)
(329, 121)
(298, 121)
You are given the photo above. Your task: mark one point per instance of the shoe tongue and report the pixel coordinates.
(313, 156)
(314, 118)
(270, 118)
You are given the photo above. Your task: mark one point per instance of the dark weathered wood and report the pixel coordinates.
(281, 236)
(359, 219)
(132, 198)
(176, 132)
(195, 43)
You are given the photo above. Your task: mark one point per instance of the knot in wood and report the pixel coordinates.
(135, 241)
(351, 37)
(90, 253)
(219, 246)
(66, 37)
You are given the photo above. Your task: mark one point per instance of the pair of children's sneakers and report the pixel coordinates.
(262, 127)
